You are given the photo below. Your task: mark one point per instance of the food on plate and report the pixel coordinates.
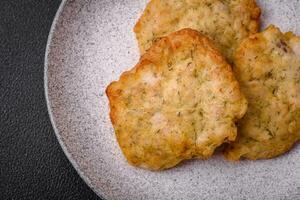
(180, 101)
(267, 66)
(226, 22)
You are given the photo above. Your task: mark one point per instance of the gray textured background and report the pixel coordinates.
(32, 164)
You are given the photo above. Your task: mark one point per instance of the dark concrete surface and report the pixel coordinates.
(32, 164)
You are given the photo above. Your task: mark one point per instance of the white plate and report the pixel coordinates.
(90, 44)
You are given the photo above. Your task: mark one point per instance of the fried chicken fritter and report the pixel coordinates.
(268, 69)
(179, 102)
(227, 22)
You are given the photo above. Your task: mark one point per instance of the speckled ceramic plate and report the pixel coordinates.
(90, 44)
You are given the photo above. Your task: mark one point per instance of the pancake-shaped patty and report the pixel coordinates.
(180, 101)
(268, 68)
(226, 22)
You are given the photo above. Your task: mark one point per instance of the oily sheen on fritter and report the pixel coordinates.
(268, 69)
(179, 102)
(226, 22)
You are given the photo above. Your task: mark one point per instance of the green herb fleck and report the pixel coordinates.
(170, 66)
(269, 132)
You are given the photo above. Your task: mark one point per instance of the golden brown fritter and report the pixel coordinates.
(226, 22)
(268, 69)
(180, 101)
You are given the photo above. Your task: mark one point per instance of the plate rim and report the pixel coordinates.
(49, 47)
(69, 156)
